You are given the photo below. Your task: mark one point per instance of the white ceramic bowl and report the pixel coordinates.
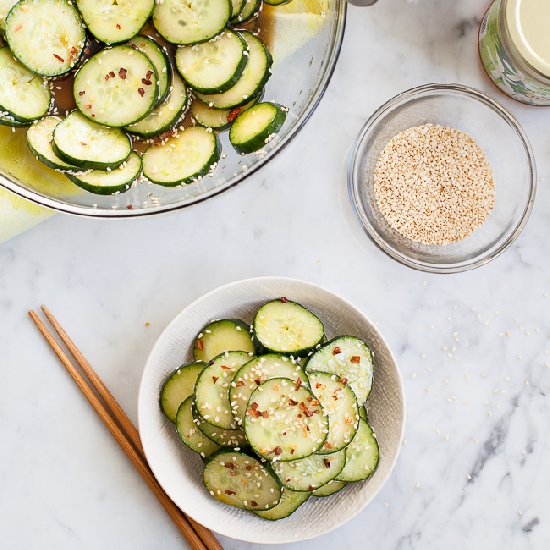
(179, 470)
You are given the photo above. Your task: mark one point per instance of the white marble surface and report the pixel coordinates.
(474, 348)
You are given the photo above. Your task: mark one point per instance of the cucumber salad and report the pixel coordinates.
(277, 412)
(134, 70)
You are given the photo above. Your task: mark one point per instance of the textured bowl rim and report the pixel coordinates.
(378, 239)
(60, 206)
(400, 387)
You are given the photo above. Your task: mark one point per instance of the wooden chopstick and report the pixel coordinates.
(125, 443)
(118, 412)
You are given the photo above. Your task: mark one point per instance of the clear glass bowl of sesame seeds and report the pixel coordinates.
(505, 145)
(304, 38)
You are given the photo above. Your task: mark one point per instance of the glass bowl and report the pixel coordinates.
(304, 38)
(505, 145)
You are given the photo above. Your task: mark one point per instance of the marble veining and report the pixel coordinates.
(473, 348)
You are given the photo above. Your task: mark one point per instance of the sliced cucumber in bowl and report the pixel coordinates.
(191, 21)
(116, 87)
(220, 336)
(23, 96)
(215, 66)
(289, 503)
(252, 81)
(88, 145)
(218, 119)
(109, 182)
(115, 21)
(47, 36)
(190, 433)
(39, 140)
(256, 127)
(189, 155)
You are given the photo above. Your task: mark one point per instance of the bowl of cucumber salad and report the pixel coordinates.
(137, 107)
(271, 410)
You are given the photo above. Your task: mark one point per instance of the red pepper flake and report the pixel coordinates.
(215, 378)
(254, 503)
(265, 414)
(89, 106)
(122, 73)
(84, 144)
(315, 403)
(248, 467)
(112, 74)
(130, 206)
(254, 405)
(59, 58)
(81, 93)
(292, 403)
(134, 47)
(229, 465)
(328, 445)
(284, 299)
(318, 385)
(277, 450)
(234, 114)
(298, 384)
(326, 462)
(18, 27)
(118, 26)
(309, 399)
(224, 367)
(257, 381)
(146, 81)
(230, 492)
(254, 413)
(141, 92)
(310, 488)
(300, 415)
(200, 344)
(292, 451)
(344, 381)
(356, 359)
(336, 350)
(239, 384)
(107, 77)
(149, 74)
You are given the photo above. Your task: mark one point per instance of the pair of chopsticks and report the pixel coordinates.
(121, 428)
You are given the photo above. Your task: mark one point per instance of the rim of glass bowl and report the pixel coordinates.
(319, 92)
(354, 179)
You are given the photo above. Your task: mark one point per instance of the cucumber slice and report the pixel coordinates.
(166, 115)
(220, 336)
(222, 437)
(286, 327)
(158, 56)
(109, 182)
(23, 96)
(115, 21)
(188, 156)
(191, 21)
(289, 503)
(331, 488)
(252, 81)
(5, 7)
(256, 127)
(239, 480)
(89, 145)
(7, 120)
(349, 358)
(250, 9)
(276, 2)
(190, 433)
(212, 388)
(116, 87)
(236, 7)
(215, 66)
(178, 387)
(39, 140)
(311, 472)
(218, 119)
(339, 403)
(47, 36)
(255, 373)
(284, 421)
(362, 455)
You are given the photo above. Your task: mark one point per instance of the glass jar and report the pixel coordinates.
(514, 46)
